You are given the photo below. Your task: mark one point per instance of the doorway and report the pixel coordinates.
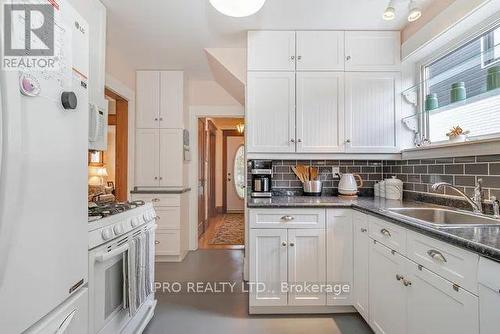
(223, 188)
(116, 155)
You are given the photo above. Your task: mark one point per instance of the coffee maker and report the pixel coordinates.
(262, 173)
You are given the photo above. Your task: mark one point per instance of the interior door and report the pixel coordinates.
(147, 167)
(202, 138)
(320, 112)
(306, 264)
(436, 306)
(234, 200)
(268, 266)
(372, 110)
(148, 99)
(271, 112)
(211, 163)
(388, 299)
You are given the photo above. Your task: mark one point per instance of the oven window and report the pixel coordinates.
(114, 288)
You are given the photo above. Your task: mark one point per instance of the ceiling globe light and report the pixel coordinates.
(238, 8)
(390, 12)
(415, 12)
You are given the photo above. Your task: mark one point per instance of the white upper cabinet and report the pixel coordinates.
(268, 263)
(171, 100)
(160, 99)
(320, 112)
(372, 109)
(271, 50)
(435, 305)
(320, 50)
(270, 110)
(372, 51)
(147, 99)
(171, 158)
(339, 264)
(306, 263)
(147, 164)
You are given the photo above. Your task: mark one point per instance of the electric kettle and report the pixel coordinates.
(348, 184)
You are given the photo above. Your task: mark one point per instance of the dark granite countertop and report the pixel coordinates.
(483, 240)
(160, 191)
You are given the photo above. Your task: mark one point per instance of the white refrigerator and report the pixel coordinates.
(43, 187)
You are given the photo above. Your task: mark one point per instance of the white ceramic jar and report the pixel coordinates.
(382, 188)
(393, 188)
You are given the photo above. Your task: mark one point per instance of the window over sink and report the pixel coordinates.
(462, 89)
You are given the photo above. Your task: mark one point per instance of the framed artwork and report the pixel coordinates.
(96, 158)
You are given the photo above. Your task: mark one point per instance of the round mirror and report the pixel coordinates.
(239, 172)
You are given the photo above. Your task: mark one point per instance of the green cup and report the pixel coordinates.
(458, 92)
(431, 102)
(493, 78)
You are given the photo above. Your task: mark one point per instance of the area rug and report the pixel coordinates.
(231, 231)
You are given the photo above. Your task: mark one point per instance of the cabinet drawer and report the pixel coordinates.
(159, 200)
(169, 218)
(455, 264)
(287, 218)
(168, 242)
(388, 234)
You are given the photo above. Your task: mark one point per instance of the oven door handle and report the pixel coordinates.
(106, 256)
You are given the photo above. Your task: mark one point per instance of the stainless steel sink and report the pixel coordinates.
(444, 217)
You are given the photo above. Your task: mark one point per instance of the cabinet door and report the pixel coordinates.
(387, 293)
(372, 51)
(271, 51)
(270, 112)
(268, 267)
(489, 305)
(320, 50)
(171, 100)
(320, 112)
(171, 158)
(147, 162)
(148, 99)
(339, 259)
(372, 108)
(435, 306)
(306, 265)
(360, 288)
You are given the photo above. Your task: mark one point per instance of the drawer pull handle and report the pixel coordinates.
(436, 255)
(399, 277)
(364, 230)
(287, 218)
(155, 200)
(385, 232)
(156, 242)
(283, 244)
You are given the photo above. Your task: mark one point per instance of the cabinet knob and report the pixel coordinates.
(161, 118)
(292, 58)
(156, 118)
(156, 242)
(399, 277)
(292, 244)
(156, 177)
(283, 244)
(299, 141)
(348, 58)
(292, 140)
(161, 178)
(348, 141)
(364, 230)
(299, 57)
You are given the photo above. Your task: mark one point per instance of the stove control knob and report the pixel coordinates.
(118, 229)
(107, 234)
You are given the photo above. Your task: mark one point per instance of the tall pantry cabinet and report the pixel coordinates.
(160, 169)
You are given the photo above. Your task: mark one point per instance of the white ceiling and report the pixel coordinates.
(171, 34)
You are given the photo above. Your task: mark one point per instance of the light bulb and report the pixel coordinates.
(390, 12)
(415, 12)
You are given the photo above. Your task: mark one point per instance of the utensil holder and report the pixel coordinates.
(313, 188)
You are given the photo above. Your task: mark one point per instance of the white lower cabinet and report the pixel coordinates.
(306, 265)
(339, 258)
(489, 296)
(387, 293)
(268, 263)
(435, 305)
(361, 277)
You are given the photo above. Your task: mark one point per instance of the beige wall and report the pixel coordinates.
(209, 93)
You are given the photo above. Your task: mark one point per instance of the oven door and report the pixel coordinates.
(107, 278)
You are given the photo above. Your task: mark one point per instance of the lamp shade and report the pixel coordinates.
(238, 8)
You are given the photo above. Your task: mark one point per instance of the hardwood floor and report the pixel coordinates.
(203, 242)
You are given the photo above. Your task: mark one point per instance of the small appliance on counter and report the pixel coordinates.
(262, 173)
(348, 185)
